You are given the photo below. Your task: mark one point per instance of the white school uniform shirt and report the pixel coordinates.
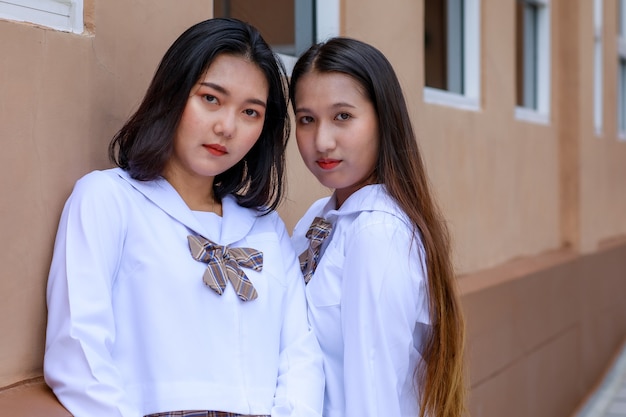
(368, 304)
(132, 328)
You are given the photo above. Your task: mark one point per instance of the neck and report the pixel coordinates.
(197, 193)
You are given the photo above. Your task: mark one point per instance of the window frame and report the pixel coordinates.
(621, 70)
(470, 62)
(326, 22)
(598, 66)
(62, 15)
(541, 69)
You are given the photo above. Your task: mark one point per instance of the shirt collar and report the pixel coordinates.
(237, 221)
(373, 197)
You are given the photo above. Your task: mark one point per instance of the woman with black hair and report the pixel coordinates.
(174, 289)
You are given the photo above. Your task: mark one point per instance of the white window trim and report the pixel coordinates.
(621, 47)
(450, 99)
(327, 26)
(598, 67)
(63, 15)
(541, 114)
(531, 115)
(327, 19)
(470, 99)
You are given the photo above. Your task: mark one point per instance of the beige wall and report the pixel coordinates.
(531, 207)
(62, 96)
(485, 165)
(511, 188)
(603, 161)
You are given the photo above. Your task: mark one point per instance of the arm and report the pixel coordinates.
(383, 297)
(81, 329)
(300, 387)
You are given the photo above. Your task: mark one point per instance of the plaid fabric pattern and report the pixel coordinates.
(225, 263)
(201, 414)
(318, 231)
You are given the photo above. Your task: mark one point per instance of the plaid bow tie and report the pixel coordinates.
(224, 262)
(318, 231)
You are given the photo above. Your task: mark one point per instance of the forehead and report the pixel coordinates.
(329, 86)
(229, 67)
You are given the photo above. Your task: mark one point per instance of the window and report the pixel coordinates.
(289, 26)
(452, 52)
(598, 68)
(621, 72)
(65, 15)
(532, 49)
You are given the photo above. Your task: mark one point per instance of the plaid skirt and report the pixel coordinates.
(201, 414)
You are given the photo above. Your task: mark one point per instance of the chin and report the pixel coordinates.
(328, 184)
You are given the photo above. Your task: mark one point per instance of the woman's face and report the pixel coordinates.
(336, 131)
(222, 120)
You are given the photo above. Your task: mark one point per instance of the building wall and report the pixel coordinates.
(62, 97)
(536, 210)
(541, 331)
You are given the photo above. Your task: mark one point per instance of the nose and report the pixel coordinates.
(324, 138)
(225, 124)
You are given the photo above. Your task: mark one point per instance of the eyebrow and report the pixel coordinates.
(334, 106)
(226, 92)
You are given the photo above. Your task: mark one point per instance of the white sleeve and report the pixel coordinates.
(382, 299)
(300, 387)
(81, 329)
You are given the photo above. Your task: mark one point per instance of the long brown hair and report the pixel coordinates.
(440, 379)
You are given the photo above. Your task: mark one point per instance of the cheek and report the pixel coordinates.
(255, 134)
(301, 141)
(370, 151)
(252, 134)
(191, 113)
(189, 127)
(307, 152)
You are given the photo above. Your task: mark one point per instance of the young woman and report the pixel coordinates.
(376, 255)
(174, 289)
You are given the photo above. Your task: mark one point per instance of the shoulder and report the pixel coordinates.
(100, 181)
(383, 240)
(376, 210)
(380, 228)
(380, 223)
(270, 220)
(101, 191)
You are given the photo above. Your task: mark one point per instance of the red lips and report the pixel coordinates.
(216, 149)
(327, 164)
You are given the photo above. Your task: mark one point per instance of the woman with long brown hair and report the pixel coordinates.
(376, 254)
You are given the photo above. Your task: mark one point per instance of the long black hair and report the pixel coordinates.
(145, 142)
(439, 380)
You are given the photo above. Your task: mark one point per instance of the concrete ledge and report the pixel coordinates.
(514, 269)
(30, 398)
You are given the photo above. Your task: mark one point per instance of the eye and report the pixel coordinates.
(305, 120)
(343, 116)
(251, 112)
(209, 98)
